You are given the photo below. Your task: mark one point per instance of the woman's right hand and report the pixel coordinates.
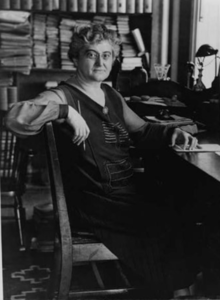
(81, 129)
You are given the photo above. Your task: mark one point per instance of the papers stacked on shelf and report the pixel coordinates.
(39, 41)
(66, 31)
(52, 42)
(129, 63)
(15, 41)
(108, 21)
(128, 48)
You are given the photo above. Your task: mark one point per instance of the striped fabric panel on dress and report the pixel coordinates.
(111, 130)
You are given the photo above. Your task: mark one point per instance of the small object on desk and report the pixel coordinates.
(145, 97)
(173, 119)
(161, 71)
(156, 101)
(135, 98)
(199, 148)
(164, 114)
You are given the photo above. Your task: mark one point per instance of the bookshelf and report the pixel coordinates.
(30, 79)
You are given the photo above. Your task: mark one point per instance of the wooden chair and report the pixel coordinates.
(77, 247)
(13, 166)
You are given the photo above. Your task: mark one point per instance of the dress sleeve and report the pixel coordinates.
(27, 118)
(145, 134)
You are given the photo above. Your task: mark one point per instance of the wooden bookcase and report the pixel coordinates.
(30, 85)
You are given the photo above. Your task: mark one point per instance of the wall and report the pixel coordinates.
(208, 32)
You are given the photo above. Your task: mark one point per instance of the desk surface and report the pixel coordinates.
(208, 162)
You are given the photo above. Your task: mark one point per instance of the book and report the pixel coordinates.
(20, 28)
(148, 6)
(12, 93)
(82, 5)
(8, 52)
(121, 6)
(16, 61)
(11, 37)
(102, 6)
(3, 98)
(112, 6)
(139, 6)
(15, 4)
(5, 4)
(26, 4)
(38, 4)
(72, 5)
(139, 41)
(14, 16)
(63, 5)
(48, 5)
(130, 6)
(56, 5)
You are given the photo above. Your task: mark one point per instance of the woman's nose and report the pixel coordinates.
(99, 61)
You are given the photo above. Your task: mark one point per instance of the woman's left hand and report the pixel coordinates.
(183, 138)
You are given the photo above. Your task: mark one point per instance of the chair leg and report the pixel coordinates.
(20, 218)
(97, 275)
(124, 277)
(55, 273)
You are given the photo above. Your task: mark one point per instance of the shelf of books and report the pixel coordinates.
(84, 6)
(35, 35)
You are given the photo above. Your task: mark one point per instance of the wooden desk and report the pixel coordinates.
(192, 180)
(207, 162)
(143, 109)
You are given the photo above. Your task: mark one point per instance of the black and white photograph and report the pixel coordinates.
(110, 149)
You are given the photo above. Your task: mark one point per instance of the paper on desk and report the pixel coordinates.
(201, 148)
(174, 119)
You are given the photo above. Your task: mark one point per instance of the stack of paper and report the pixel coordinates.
(52, 35)
(15, 41)
(66, 31)
(39, 41)
(128, 48)
(108, 21)
(83, 22)
(129, 63)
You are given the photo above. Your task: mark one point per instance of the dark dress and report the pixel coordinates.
(99, 184)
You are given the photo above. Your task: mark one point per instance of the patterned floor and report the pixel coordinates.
(26, 273)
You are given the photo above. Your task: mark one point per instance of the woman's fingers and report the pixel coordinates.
(193, 144)
(80, 136)
(80, 128)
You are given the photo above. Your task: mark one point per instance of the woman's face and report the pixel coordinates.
(95, 62)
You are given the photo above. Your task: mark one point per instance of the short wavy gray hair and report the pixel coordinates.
(92, 34)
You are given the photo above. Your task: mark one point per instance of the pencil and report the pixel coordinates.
(79, 109)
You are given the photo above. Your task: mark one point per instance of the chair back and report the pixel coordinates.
(60, 211)
(7, 154)
(13, 160)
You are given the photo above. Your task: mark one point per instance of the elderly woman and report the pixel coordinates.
(95, 129)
